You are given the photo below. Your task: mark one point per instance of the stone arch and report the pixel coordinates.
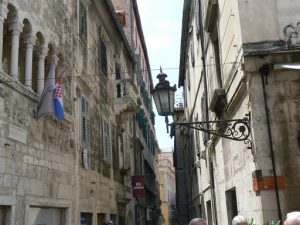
(13, 12)
(51, 50)
(12, 16)
(14, 3)
(26, 38)
(39, 53)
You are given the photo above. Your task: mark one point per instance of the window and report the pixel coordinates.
(119, 91)
(84, 122)
(5, 213)
(100, 218)
(86, 218)
(197, 140)
(209, 212)
(197, 18)
(47, 215)
(103, 57)
(192, 51)
(106, 140)
(188, 79)
(118, 77)
(217, 61)
(118, 72)
(204, 117)
(82, 22)
(231, 204)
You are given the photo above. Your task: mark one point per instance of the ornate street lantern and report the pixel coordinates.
(235, 129)
(163, 95)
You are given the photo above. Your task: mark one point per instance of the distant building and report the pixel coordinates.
(181, 164)
(167, 187)
(240, 59)
(147, 209)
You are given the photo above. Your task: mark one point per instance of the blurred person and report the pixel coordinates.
(197, 221)
(292, 218)
(239, 220)
(110, 222)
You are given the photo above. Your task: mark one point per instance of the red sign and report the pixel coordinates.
(138, 186)
(268, 183)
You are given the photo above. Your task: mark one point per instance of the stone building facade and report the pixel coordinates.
(77, 170)
(166, 180)
(182, 166)
(147, 206)
(240, 59)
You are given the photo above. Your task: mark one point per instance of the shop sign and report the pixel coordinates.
(138, 186)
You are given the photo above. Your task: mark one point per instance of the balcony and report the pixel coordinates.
(125, 99)
(124, 195)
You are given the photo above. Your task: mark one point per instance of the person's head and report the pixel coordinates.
(109, 222)
(292, 218)
(197, 221)
(239, 220)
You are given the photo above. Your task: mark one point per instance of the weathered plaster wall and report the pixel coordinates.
(269, 17)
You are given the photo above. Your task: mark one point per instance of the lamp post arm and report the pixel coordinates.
(237, 129)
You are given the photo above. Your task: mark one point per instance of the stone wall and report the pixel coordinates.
(41, 160)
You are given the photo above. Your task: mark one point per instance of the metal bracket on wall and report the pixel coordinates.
(236, 129)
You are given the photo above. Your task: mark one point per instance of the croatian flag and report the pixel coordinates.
(58, 102)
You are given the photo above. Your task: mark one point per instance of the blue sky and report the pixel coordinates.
(161, 22)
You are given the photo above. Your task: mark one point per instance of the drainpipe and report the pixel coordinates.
(264, 72)
(211, 172)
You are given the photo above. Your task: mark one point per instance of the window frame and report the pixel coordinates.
(82, 22)
(103, 57)
(106, 137)
(84, 121)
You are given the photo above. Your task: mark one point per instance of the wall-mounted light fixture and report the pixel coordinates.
(236, 129)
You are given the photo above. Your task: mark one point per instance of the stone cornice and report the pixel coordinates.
(16, 85)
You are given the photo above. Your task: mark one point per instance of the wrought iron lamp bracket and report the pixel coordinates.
(237, 129)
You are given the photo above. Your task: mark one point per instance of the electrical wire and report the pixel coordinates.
(111, 74)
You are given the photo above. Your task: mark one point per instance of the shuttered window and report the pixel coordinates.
(204, 117)
(197, 139)
(103, 57)
(106, 141)
(84, 122)
(82, 22)
(118, 72)
(192, 52)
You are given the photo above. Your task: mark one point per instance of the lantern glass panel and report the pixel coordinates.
(157, 102)
(165, 101)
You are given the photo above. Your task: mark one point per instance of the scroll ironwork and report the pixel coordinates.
(236, 129)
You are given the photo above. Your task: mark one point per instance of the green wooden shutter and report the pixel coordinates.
(84, 122)
(106, 140)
